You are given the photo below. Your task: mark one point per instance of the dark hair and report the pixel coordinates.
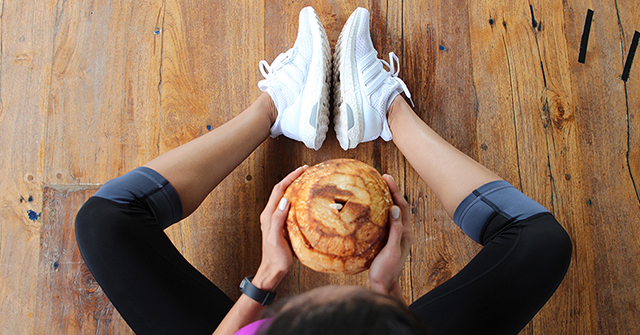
(361, 314)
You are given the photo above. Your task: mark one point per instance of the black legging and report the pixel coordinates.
(120, 235)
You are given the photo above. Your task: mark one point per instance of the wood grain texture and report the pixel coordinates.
(90, 90)
(70, 301)
(602, 131)
(558, 118)
(209, 75)
(25, 70)
(437, 70)
(104, 100)
(628, 13)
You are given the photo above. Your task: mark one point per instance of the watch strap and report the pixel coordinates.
(263, 297)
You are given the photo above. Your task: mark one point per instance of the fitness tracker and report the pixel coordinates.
(263, 297)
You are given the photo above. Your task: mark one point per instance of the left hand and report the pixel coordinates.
(277, 257)
(387, 266)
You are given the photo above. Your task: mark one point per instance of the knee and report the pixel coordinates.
(555, 247)
(98, 224)
(85, 225)
(562, 245)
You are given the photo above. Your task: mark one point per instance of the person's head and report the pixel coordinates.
(344, 310)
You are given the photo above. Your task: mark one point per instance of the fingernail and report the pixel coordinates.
(283, 204)
(390, 176)
(395, 212)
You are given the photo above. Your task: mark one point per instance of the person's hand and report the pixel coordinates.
(277, 257)
(387, 266)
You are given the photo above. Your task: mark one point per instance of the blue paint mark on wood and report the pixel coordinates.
(442, 48)
(33, 216)
(30, 199)
(209, 127)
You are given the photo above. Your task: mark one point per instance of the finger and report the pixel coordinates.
(293, 175)
(396, 228)
(396, 193)
(398, 197)
(279, 217)
(390, 182)
(279, 188)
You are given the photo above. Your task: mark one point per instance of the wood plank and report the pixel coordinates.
(281, 22)
(209, 73)
(603, 281)
(558, 111)
(438, 70)
(387, 33)
(104, 94)
(509, 82)
(568, 205)
(628, 12)
(279, 37)
(538, 71)
(25, 70)
(70, 301)
(493, 82)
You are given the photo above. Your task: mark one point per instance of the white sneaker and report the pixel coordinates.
(298, 83)
(363, 90)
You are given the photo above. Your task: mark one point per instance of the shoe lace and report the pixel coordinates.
(394, 74)
(268, 70)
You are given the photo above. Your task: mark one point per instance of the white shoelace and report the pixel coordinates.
(267, 70)
(394, 74)
(288, 69)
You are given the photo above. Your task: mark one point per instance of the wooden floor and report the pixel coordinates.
(92, 89)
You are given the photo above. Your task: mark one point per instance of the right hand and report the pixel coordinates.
(387, 266)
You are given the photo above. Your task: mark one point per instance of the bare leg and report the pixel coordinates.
(195, 168)
(451, 174)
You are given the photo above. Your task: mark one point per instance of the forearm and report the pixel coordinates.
(394, 290)
(450, 173)
(196, 167)
(247, 310)
(244, 312)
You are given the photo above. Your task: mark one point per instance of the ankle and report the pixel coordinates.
(269, 107)
(394, 110)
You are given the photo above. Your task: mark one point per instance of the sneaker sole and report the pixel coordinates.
(314, 119)
(348, 119)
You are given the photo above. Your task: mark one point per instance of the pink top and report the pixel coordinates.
(254, 327)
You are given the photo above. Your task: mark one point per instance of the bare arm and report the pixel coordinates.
(450, 173)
